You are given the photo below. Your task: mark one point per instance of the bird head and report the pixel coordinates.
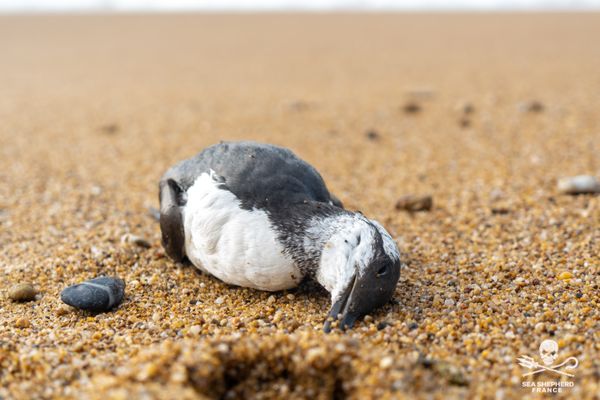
(360, 266)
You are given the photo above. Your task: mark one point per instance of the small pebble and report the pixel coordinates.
(382, 325)
(195, 329)
(581, 184)
(497, 194)
(411, 108)
(414, 203)
(97, 254)
(314, 354)
(500, 210)
(22, 292)
(271, 300)
(533, 106)
(299, 105)
(109, 129)
(129, 238)
(397, 385)
(219, 300)
(62, 309)
(449, 302)
(386, 362)
(539, 327)
(96, 295)
(96, 190)
(22, 323)
(290, 296)
(372, 134)
(467, 108)
(565, 275)
(223, 348)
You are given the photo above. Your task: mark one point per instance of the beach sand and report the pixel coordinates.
(482, 112)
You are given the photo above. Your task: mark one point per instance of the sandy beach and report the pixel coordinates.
(482, 112)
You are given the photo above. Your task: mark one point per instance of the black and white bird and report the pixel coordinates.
(256, 215)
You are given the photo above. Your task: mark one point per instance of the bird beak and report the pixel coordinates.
(342, 309)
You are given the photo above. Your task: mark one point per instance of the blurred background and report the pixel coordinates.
(292, 5)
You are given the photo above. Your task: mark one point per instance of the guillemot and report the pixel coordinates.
(256, 215)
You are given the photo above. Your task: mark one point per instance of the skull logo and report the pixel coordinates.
(549, 351)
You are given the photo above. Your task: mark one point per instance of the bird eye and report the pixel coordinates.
(382, 271)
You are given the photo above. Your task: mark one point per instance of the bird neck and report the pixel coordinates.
(321, 239)
(304, 229)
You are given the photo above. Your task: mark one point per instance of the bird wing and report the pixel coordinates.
(260, 175)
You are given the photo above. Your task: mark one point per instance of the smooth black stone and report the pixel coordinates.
(86, 296)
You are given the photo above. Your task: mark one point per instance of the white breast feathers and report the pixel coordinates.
(238, 246)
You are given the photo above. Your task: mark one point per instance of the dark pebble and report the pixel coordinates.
(299, 105)
(426, 362)
(97, 295)
(411, 108)
(372, 134)
(533, 106)
(468, 108)
(109, 129)
(412, 326)
(382, 325)
(500, 210)
(129, 238)
(414, 203)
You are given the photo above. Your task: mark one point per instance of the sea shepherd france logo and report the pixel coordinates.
(548, 355)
